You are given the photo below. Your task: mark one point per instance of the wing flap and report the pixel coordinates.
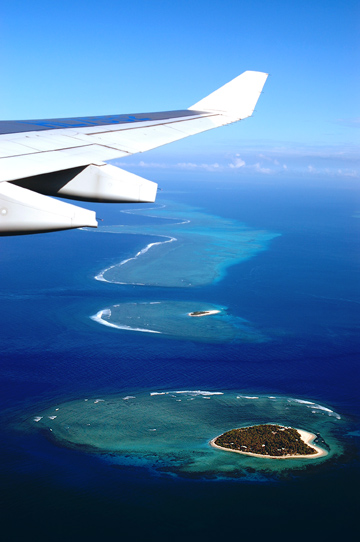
(20, 167)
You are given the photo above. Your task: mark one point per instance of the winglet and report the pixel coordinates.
(236, 99)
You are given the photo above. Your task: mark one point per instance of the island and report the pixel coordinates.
(202, 313)
(269, 441)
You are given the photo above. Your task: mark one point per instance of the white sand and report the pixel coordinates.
(205, 313)
(305, 437)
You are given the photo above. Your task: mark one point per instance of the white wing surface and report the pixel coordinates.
(65, 157)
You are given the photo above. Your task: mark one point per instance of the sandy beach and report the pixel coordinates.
(203, 313)
(305, 437)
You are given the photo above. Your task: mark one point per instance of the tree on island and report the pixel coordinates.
(274, 440)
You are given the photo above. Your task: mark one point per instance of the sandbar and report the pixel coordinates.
(202, 313)
(306, 437)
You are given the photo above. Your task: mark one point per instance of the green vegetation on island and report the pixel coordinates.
(268, 440)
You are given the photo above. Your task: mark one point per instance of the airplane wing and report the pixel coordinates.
(65, 157)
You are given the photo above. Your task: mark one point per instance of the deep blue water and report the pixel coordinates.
(303, 293)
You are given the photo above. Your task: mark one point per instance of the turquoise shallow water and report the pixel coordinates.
(193, 248)
(172, 319)
(189, 248)
(170, 431)
(301, 293)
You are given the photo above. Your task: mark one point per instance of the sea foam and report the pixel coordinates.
(141, 252)
(98, 317)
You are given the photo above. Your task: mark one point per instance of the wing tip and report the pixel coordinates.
(236, 99)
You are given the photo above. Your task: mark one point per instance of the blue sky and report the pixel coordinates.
(86, 58)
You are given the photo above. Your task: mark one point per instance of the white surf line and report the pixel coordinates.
(100, 276)
(160, 206)
(98, 318)
(199, 392)
(315, 407)
(187, 392)
(144, 213)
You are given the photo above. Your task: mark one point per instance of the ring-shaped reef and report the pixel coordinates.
(170, 432)
(177, 320)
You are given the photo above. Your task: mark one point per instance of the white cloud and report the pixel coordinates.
(155, 165)
(259, 169)
(342, 172)
(286, 160)
(190, 165)
(348, 172)
(237, 163)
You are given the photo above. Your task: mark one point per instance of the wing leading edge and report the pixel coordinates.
(65, 157)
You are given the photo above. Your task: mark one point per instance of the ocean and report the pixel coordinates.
(117, 451)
